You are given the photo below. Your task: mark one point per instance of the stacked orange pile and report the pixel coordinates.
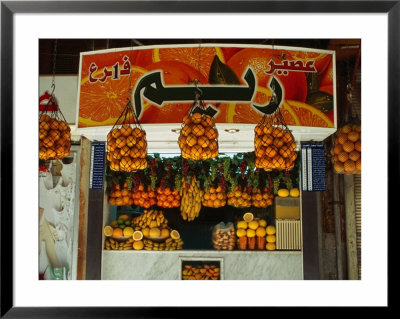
(168, 198)
(214, 197)
(144, 198)
(120, 196)
(54, 138)
(347, 150)
(274, 147)
(127, 149)
(239, 197)
(198, 137)
(263, 199)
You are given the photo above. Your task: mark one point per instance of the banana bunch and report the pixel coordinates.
(150, 218)
(111, 244)
(169, 244)
(191, 199)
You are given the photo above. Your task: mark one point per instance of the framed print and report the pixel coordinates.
(24, 23)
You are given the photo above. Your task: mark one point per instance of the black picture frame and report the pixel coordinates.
(9, 8)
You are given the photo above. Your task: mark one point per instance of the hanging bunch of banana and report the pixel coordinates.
(191, 198)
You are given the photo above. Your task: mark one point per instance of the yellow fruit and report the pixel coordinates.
(241, 232)
(164, 232)
(253, 224)
(270, 246)
(242, 224)
(153, 224)
(271, 238)
(146, 231)
(124, 217)
(108, 231)
(250, 233)
(271, 230)
(154, 232)
(117, 232)
(137, 235)
(248, 217)
(138, 245)
(283, 192)
(347, 128)
(175, 234)
(262, 223)
(260, 232)
(294, 192)
(128, 231)
(353, 136)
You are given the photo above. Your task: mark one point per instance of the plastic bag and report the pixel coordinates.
(223, 236)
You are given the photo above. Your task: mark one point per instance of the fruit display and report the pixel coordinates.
(284, 192)
(346, 150)
(223, 237)
(239, 197)
(198, 137)
(150, 219)
(127, 148)
(274, 146)
(262, 199)
(200, 272)
(112, 244)
(191, 198)
(142, 197)
(149, 231)
(270, 238)
(168, 244)
(120, 196)
(214, 197)
(251, 232)
(119, 233)
(54, 138)
(167, 198)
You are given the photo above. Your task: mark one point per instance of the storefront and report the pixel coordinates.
(194, 161)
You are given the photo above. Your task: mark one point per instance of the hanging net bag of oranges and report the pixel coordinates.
(346, 149)
(198, 138)
(126, 143)
(274, 144)
(54, 132)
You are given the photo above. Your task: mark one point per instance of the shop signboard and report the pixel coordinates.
(235, 82)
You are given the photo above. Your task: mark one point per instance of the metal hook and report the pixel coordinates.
(53, 87)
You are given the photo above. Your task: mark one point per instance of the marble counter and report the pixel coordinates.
(166, 265)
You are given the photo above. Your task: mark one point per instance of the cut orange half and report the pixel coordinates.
(248, 217)
(137, 235)
(308, 114)
(175, 234)
(108, 231)
(102, 103)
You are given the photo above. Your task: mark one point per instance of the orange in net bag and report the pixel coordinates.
(198, 138)
(126, 143)
(274, 144)
(54, 132)
(346, 149)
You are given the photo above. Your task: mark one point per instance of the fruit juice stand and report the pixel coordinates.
(209, 157)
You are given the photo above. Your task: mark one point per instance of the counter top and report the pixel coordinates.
(236, 264)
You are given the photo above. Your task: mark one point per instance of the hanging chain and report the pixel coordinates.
(198, 65)
(53, 81)
(130, 72)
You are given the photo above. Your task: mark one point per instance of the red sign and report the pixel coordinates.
(236, 82)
